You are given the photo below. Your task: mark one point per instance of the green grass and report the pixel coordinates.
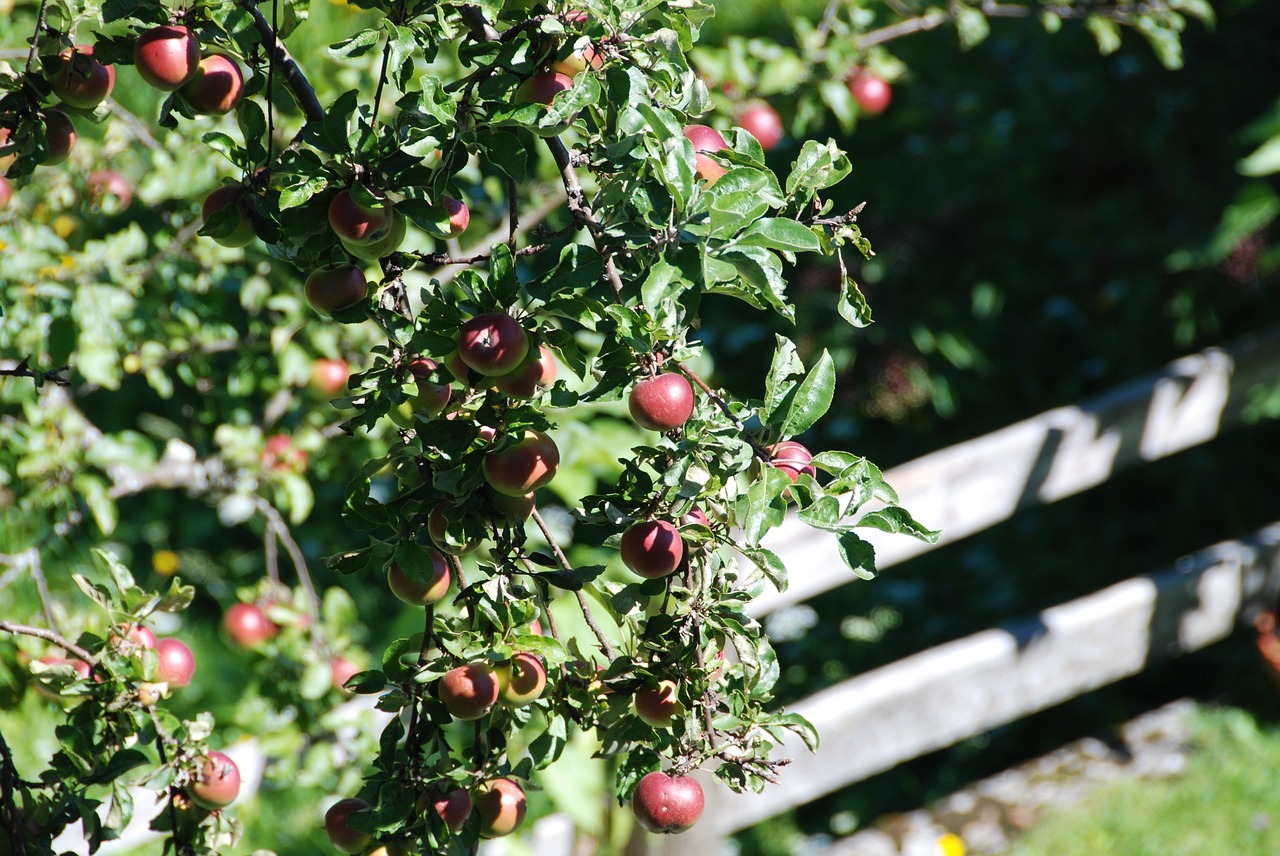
(1226, 804)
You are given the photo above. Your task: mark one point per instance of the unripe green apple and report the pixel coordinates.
(416, 593)
(658, 704)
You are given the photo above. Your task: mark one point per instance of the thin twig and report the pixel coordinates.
(35, 37)
(137, 127)
(581, 210)
(582, 600)
(49, 636)
(543, 598)
(271, 554)
(760, 451)
(276, 521)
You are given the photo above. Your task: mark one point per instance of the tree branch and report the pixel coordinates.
(582, 600)
(49, 636)
(303, 92)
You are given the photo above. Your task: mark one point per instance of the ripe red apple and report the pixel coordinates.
(707, 169)
(657, 705)
(763, 123)
(872, 92)
(216, 87)
(167, 56)
(469, 691)
(81, 81)
(543, 87)
(384, 246)
(108, 183)
(127, 638)
(512, 508)
(492, 343)
(59, 136)
(336, 287)
(329, 377)
(248, 625)
(792, 459)
(577, 61)
(432, 397)
(454, 807)
(459, 216)
(6, 192)
(217, 783)
(175, 664)
(417, 593)
(521, 680)
(342, 670)
(281, 455)
(523, 467)
(536, 371)
(501, 806)
(6, 160)
(652, 548)
(242, 232)
(705, 139)
(356, 224)
(341, 835)
(661, 403)
(667, 804)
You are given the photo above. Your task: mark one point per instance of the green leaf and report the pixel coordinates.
(853, 307)
(896, 519)
(780, 233)
(779, 384)
(1264, 161)
(812, 399)
(1106, 33)
(972, 27)
(857, 554)
(770, 564)
(116, 766)
(355, 45)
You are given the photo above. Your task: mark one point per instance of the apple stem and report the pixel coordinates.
(605, 647)
(49, 636)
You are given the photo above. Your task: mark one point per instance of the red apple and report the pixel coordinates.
(248, 625)
(577, 61)
(469, 691)
(106, 184)
(81, 81)
(652, 548)
(763, 123)
(167, 56)
(667, 804)
(454, 807)
(536, 371)
(6, 192)
(523, 467)
(128, 638)
(175, 664)
(281, 455)
(217, 783)
(657, 705)
(329, 377)
(216, 87)
(6, 161)
(341, 835)
(437, 531)
(415, 592)
(59, 136)
(872, 92)
(521, 680)
(333, 288)
(501, 806)
(356, 224)
(662, 403)
(432, 397)
(384, 246)
(543, 87)
(705, 139)
(492, 343)
(342, 670)
(792, 459)
(241, 233)
(459, 216)
(707, 169)
(461, 371)
(697, 515)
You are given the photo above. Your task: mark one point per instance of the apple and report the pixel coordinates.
(341, 835)
(872, 92)
(762, 122)
(792, 459)
(469, 691)
(415, 592)
(216, 87)
(128, 638)
(697, 515)
(661, 403)
(454, 807)
(652, 548)
(437, 530)
(281, 455)
(577, 61)
(543, 87)
(329, 376)
(6, 192)
(432, 397)
(512, 508)
(217, 783)
(492, 343)
(342, 670)
(707, 169)
(384, 246)
(459, 216)
(175, 664)
(657, 705)
(667, 804)
(242, 232)
(248, 625)
(536, 371)
(501, 806)
(81, 81)
(356, 224)
(461, 371)
(519, 469)
(521, 680)
(108, 183)
(167, 57)
(6, 160)
(59, 136)
(705, 139)
(332, 288)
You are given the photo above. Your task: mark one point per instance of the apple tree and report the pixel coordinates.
(488, 234)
